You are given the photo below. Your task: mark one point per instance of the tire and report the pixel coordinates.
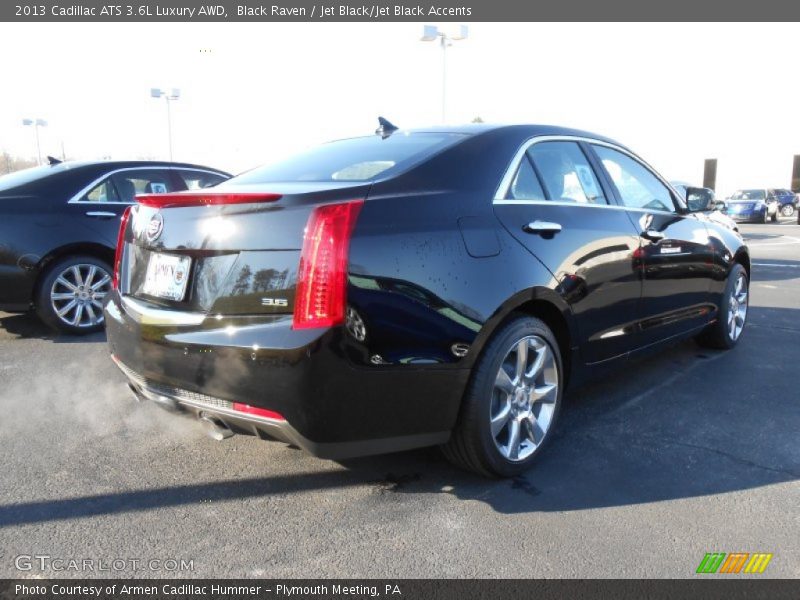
(496, 404)
(763, 219)
(63, 289)
(721, 334)
(787, 210)
(774, 217)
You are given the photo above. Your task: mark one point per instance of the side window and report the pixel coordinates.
(142, 181)
(102, 192)
(526, 184)
(637, 186)
(197, 180)
(566, 173)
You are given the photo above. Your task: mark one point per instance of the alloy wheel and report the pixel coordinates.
(787, 210)
(737, 307)
(524, 398)
(77, 295)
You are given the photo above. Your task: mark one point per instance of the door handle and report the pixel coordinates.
(101, 214)
(542, 227)
(652, 235)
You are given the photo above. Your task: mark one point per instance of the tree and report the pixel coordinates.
(477, 120)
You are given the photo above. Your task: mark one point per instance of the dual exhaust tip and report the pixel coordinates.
(215, 428)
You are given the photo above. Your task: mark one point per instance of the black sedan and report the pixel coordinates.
(416, 288)
(58, 231)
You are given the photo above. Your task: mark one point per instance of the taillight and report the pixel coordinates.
(204, 199)
(123, 225)
(322, 279)
(259, 412)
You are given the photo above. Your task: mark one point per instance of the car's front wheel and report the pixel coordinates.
(512, 402)
(71, 294)
(724, 333)
(787, 210)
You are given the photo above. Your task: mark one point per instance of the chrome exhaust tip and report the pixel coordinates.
(216, 429)
(134, 392)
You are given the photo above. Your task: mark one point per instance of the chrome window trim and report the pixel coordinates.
(584, 205)
(76, 199)
(511, 171)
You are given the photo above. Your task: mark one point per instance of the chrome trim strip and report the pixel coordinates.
(76, 199)
(147, 315)
(511, 170)
(583, 205)
(100, 213)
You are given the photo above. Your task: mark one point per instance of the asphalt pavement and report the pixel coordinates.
(688, 452)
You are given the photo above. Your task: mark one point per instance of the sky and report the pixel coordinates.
(252, 93)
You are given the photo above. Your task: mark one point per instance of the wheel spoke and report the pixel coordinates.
(103, 281)
(538, 363)
(63, 296)
(76, 273)
(90, 276)
(546, 394)
(78, 315)
(67, 307)
(67, 284)
(90, 312)
(535, 430)
(97, 303)
(513, 439)
(500, 419)
(503, 381)
(522, 360)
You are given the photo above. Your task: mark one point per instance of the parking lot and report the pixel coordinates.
(690, 452)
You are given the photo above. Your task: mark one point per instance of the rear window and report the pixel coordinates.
(356, 159)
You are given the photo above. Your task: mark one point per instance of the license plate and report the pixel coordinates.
(166, 276)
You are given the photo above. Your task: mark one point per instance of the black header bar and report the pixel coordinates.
(393, 10)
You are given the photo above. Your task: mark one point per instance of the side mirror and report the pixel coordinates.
(719, 205)
(699, 199)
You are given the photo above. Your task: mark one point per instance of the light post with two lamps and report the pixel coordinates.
(36, 123)
(174, 94)
(431, 33)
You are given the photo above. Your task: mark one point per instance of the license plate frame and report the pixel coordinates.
(167, 276)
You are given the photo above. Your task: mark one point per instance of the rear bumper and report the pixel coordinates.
(332, 408)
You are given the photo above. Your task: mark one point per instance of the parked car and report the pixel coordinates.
(787, 201)
(713, 208)
(753, 206)
(416, 288)
(58, 232)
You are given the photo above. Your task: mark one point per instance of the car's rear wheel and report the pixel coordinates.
(726, 331)
(512, 402)
(71, 294)
(787, 210)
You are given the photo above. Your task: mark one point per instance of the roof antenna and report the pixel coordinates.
(52, 160)
(385, 128)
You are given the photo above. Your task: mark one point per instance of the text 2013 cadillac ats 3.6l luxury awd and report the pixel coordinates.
(416, 288)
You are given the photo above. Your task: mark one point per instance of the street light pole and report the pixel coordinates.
(36, 123)
(431, 33)
(173, 95)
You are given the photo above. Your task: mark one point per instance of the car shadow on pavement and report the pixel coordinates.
(686, 423)
(28, 326)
